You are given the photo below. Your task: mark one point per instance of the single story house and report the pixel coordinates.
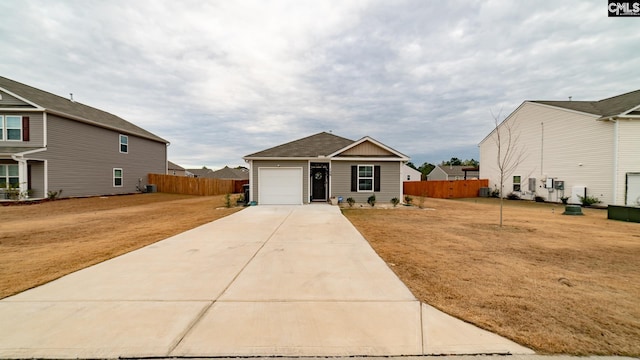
(410, 174)
(50, 143)
(177, 170)
(453, 172)
(201, 173)
(228, 173)
(570, 149)
(322, 166)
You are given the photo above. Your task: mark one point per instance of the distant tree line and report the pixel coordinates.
(426, 167)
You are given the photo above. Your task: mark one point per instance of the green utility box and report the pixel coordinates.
(623, 213)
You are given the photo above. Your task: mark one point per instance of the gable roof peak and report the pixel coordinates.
(320, 144)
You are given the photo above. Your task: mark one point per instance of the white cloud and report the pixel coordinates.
(221, 79)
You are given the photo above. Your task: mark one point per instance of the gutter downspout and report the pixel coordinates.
(615, 160)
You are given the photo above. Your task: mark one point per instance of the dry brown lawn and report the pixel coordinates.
(555, 283)
(42, 242)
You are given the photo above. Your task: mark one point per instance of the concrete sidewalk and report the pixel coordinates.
(269, 280)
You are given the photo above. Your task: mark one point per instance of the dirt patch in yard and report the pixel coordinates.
(42, 242)
(555, 283)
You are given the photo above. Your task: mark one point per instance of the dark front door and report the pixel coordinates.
(319, 184)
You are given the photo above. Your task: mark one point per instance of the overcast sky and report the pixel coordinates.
(223, 79)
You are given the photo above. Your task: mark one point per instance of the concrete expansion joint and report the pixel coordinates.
(206, 309)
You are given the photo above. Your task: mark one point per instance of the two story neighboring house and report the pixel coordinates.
(50, 143)
(570, 149)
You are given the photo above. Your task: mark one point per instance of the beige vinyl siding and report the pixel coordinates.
(82, 158)
(36, 132)
(8, 100)
(256, 164)
(390, 183)
(574, 147)
(366, 149)
(437, 174)
(628, 155)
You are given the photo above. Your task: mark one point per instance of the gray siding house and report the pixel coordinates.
(322, 166)
(50, 143)
(453, 172)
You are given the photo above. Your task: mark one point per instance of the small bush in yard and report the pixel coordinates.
(350, 201)
(372, 200)
(408, 199)
(395, 201)
(227, 200)
(589, 200)
(513, 196)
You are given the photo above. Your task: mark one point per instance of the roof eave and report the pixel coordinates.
(376, 142)
(94, 123)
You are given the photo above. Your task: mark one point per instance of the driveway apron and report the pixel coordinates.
(268, 280)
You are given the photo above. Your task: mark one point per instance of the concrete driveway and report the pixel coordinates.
(269, 280)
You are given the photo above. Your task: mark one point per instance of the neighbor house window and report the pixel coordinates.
(9, 176)
(117, 177)
(124, 144)
(516, 183)
(14, 128)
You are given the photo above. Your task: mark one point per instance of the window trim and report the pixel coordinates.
(6, 177)
(126, 143)
(372, 177)
(121, 177)
(519, 183)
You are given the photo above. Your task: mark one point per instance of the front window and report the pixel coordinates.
(14, 127)
(516, 183)
(117, 177)
(9, 176)
(124, 144)
(365, 178)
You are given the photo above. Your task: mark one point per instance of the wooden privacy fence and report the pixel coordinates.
(195, 186)
(445, 189)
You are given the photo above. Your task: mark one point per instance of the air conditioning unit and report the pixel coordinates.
(485, 192)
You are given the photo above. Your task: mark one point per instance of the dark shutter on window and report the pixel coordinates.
(25, 128)
(376, 178)
(354, 178)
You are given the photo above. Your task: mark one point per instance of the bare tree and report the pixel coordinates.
(510, 154)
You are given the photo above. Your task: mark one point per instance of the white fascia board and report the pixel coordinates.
(283, 158)
(626, 113)
(22, 109)
(38, 107)
(375, 142)
(360, 159)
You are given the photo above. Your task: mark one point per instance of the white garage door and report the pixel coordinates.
(280, 186)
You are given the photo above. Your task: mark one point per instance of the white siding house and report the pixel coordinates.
(570, 148)
(410, 174)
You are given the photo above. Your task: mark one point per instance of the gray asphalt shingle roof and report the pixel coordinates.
(606, 107)
(62, 106)
(321, 144)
